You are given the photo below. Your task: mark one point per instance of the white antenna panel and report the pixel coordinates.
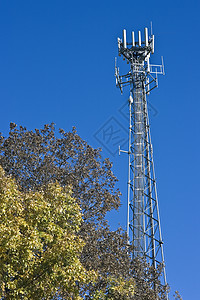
(133, 38)
(152, 44)
(146, 36)
(139, 39)
(124, 38)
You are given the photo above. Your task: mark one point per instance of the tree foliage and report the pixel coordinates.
(39, 247)
(37, 158)
(115, 288)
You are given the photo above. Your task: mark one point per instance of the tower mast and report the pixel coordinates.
(143, 221)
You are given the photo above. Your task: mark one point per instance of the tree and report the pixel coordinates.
(36, 158)
(115, 289)
(39, 247)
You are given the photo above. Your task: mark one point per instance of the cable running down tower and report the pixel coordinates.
(143, 221)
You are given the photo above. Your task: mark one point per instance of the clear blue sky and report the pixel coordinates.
(57, 64)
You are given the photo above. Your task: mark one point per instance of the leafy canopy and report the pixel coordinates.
(41, 157)
(39, 246)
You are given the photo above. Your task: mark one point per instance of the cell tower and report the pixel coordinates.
(143, 221)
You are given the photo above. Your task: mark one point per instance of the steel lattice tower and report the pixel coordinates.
(143, 221)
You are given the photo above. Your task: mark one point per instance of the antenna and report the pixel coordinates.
(133, 38)
(152, 44)
(119, 43)
(124, 38)
(163, 69)
(146, 37)
(151, 28)
(139, 39)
